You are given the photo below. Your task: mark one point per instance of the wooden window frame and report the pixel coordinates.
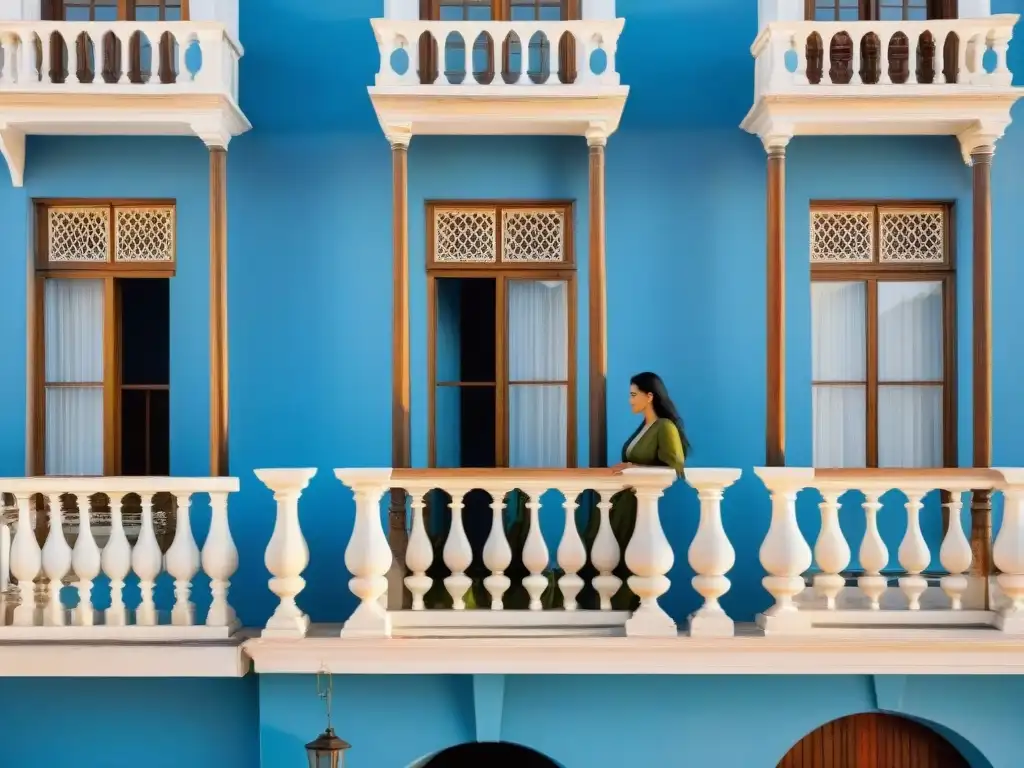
(163, 49)
(432, 52)
(869, 9)
(109, 272)
(502, 273)
(874, 272)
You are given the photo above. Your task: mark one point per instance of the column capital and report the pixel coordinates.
(213, 134)
(597, 134)
(977, 144)
(399, 135)
(775, 143)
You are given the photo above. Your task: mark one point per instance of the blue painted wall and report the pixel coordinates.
(583, 721)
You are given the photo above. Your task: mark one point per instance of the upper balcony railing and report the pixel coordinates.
(170, 57)
(498, 54)
(808, 57)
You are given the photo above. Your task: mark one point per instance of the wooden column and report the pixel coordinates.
(598, 312)
(218, 311)
(401, 451)
(775, 321)
(981, 502)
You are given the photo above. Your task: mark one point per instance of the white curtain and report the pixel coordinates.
(910, 350)
(73, 343)
(538, 351)
(839, 348)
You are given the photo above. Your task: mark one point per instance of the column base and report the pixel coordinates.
(711, 624)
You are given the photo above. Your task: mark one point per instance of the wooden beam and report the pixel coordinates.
(598, 304)
(218, 312)
(775, 321)
(401, 394)
(981, 501)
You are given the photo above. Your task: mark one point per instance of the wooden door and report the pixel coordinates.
(873, 741)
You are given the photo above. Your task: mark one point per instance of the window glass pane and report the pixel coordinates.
(538, 330)
(910, 331)
(840, 426)
(838, 331)
(538, 425)
(909, 426)
(74, 431)
(73, 331)
(105, 11)
(76, 13)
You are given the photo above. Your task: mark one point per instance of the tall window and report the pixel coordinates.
(480, 64)
(882, 327)
(501, 335)
(142, 63)
(102, 338)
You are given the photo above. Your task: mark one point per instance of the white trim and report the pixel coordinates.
(839, 651)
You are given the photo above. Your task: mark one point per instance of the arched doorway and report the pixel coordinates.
(873, 741)
(488, 753)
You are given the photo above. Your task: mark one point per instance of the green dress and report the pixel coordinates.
(656, 446)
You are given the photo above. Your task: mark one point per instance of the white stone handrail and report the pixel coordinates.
(590, 36)
(29, 49)
(787, 556)
(782, 66)
(79, 550)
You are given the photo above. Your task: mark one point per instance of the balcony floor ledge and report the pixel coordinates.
(125, 659)
(881, 111)
(964, 651)
(482, 110)
(214, 118)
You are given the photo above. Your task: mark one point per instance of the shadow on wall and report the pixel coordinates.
(486, 753)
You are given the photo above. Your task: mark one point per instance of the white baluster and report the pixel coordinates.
(535, 551)
(497, 552)
(784, 553)
(125, 46)
(855, 43)
(711, 554)
(873, 554)
(220, 561)
(571, 554)
(1008, 552)
(457, 553)
(85, 561)
(26, 561)
(56, 562)
(523, 76)
(116, 561)
(883, 59)
(913, 553)
(5, 551)
(182, 561)
(419, 554)
(955, 553)
(605, 555)
(9, 47)
(287, 554)
(649, 557)
(28, 72)
(147, 563)
(831, 551)
(368, 555)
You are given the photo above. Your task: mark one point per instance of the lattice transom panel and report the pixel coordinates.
(78, 234)
(533, 235)
(912, 237)
(144, 233)
(842, 237)
(465, 235)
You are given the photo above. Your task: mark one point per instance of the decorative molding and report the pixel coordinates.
(981, 139)
(488, 706)
(597, 134)
(121, 659)
(889, 691)
(12, 147)
(399, 135)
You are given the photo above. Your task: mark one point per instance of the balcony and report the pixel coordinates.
(884, 78)
(116, 78)
(565, 83)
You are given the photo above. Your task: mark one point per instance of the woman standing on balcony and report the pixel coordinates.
(659, 441)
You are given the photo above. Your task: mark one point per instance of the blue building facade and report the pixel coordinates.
(310, 353)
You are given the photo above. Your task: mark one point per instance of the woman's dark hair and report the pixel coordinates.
(651, 384)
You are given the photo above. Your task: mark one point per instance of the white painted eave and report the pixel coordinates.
(536, 110)
(963, 651)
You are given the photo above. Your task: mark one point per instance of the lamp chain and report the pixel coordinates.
(325, 690)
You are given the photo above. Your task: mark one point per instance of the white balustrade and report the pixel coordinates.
(873, 51)
(916, 599)
(527, 53)
(649, 555)
(34, 52)
(711, 555)
(100, 532)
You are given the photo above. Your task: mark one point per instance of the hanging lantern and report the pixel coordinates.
(326, 750)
